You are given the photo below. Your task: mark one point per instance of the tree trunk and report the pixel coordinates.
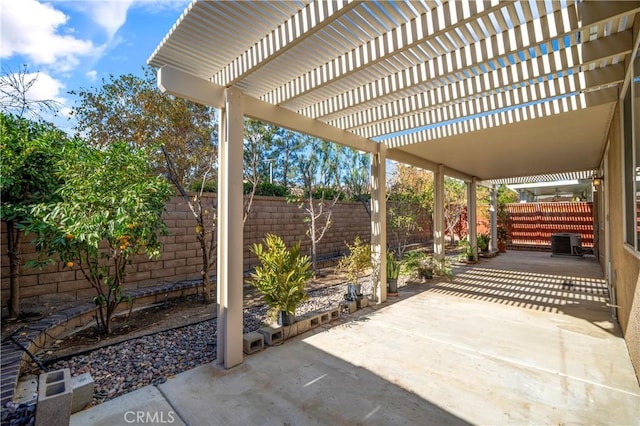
(314, 248)
(206, 285)
(13, 251)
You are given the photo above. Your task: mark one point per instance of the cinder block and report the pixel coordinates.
(363, 302)
(290, 331)
(252, 342)
(54, 398)
(325, 317)
(303, 324)
(348, 306)
(82, 386)
(272, 335)
(334, 313)
(314, 320)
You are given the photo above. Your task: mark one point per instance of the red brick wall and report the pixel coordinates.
(181, 258)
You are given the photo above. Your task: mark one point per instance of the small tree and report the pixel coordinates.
(321, 191)
(29, 152)
(206, 223)
(357, 261)
(403, 223)
(109, 209)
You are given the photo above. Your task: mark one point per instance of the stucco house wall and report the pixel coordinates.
(625, 261)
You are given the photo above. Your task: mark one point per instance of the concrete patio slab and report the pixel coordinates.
(144, 406)
(495, 346)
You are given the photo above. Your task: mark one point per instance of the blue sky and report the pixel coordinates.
(75, 44)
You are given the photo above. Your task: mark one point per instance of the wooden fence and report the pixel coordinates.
(532, 224)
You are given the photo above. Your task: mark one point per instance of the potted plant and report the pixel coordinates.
(393, 271)
(503, 239)
(281, 276)
(354, 266)
(483, 242)
(468, 251)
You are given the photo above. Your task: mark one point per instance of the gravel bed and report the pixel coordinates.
(130, 365)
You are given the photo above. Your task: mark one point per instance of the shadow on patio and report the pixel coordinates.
(561, 285)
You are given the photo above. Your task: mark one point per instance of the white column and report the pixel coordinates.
(438, 213)
(493, 210)
(472, 215)
(379, 220)
(229, 300)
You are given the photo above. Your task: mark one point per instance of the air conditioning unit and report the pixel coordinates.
(566, 244)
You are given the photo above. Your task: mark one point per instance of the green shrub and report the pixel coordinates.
(282, 274)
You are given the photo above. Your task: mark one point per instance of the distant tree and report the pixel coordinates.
(286, 147)
(410, 183)
(29, 154)
(406, 195)
(132, 108)
(108, 209)
(506, 196)
(258, 139)
(356, 175)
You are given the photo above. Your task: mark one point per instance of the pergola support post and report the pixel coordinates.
(379, 221)
(438, 213)
(230, 205)
(493, 211)
(472, 216)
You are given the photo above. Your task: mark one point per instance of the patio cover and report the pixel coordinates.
(477, 90)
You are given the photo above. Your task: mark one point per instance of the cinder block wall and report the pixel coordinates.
(181, 255)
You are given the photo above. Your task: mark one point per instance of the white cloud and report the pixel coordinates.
(45, 87)
(110, 15)
(92, 75)
(32, 29)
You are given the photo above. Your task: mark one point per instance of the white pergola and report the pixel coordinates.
(483, 91)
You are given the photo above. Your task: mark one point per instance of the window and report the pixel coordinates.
(631, 151)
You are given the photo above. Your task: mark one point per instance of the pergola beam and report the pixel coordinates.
(187, 86)
(412, 160)
(199, 90)
(283, 117)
